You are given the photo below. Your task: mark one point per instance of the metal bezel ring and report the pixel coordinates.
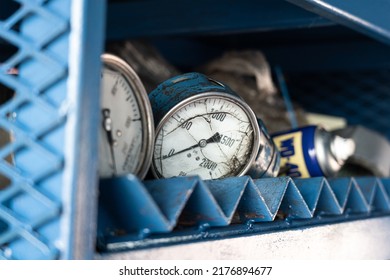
(118, 64)
(215, 94)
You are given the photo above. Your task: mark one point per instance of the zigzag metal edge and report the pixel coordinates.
(167, 203)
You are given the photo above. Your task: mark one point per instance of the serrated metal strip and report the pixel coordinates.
(192, 201)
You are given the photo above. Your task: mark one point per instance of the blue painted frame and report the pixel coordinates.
(137, 214)
(371, 18)
(204, 17)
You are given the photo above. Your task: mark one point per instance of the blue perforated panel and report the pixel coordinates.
(31, 204)
(39, 124)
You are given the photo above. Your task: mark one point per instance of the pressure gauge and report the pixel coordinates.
(127, 127)
(205, 129)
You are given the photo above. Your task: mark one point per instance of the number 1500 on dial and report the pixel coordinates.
(211, 136)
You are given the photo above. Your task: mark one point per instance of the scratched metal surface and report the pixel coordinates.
(359, 239)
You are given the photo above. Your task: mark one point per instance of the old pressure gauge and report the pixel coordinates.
(204, 129)
(127, 128)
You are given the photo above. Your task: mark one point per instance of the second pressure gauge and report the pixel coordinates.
(205, 129)
(127, 127)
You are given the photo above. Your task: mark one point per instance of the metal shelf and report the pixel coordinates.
(371, 19)
(360, 239)
(229, 16)
(173, 212)
(204, 17)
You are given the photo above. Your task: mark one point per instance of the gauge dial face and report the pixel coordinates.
(123, 125)
(211, 136)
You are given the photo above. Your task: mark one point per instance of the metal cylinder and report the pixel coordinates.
(312, 151)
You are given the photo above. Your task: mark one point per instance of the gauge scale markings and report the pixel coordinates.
(126, 138)
(191, 124)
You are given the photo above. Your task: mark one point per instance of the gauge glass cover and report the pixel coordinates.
(210, 136)
(125, 140)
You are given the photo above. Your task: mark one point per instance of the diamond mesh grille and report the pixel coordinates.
(32, 123)
(130, 207)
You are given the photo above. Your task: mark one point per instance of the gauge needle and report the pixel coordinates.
(107, 125)
(202, 143)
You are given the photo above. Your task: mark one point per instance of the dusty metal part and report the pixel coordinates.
(261, 158)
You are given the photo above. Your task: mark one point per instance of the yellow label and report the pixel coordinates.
(291, 154)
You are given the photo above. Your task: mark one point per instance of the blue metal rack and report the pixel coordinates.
(371, 20)
(205, 17)
(158, 206)
(48, 208)
(229, 16)
(132, 210)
